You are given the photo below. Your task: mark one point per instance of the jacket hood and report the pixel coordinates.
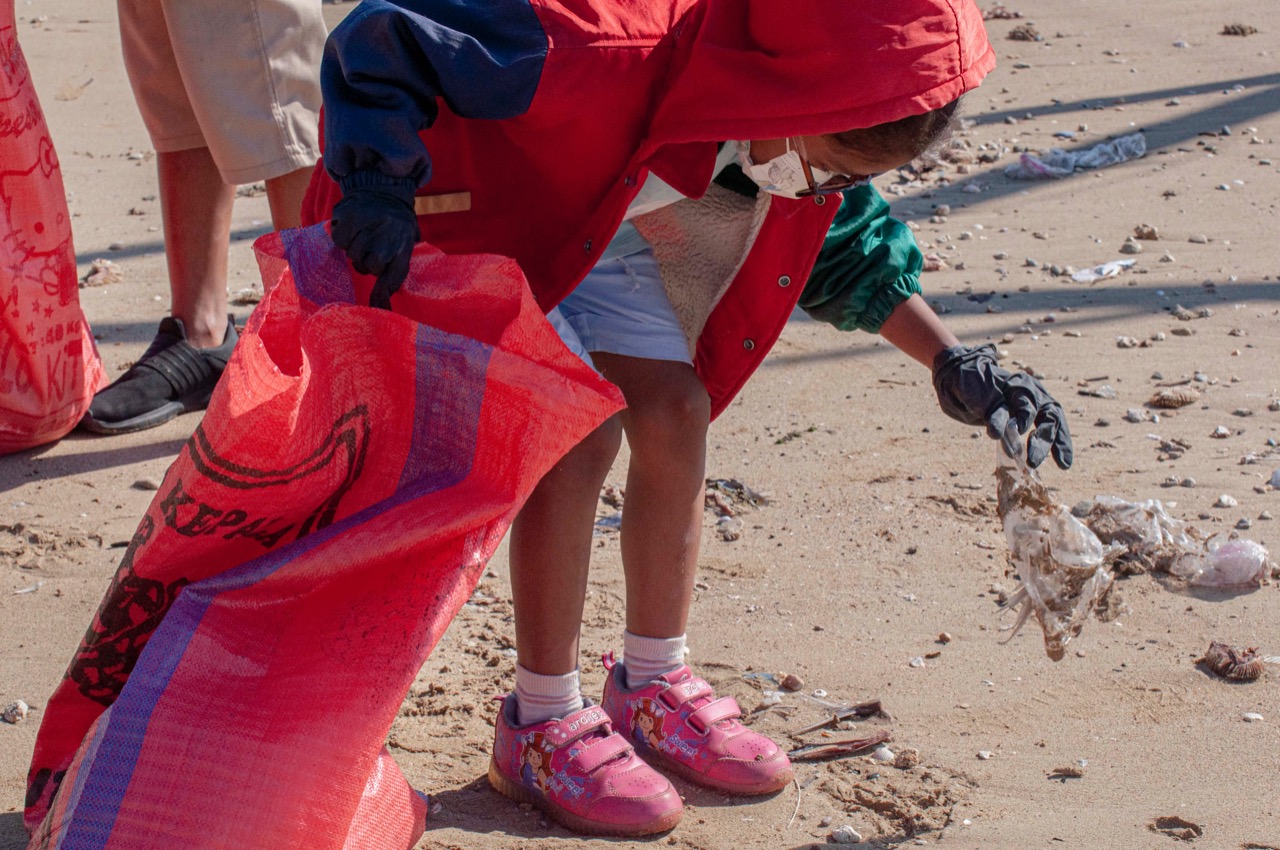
(772, 68)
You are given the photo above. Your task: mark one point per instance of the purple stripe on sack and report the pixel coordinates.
(449, 385)
(104, 780)
(447, 395)
(74, 791)
(320, 270)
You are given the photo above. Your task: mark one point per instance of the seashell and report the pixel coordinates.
(1176, 827)
(1226, 501)
(907, 758)
(1220, 433)
(1174, 397)
(845, 835)
(246, 296)
(1069, 772)
(883, 754)
(1146, 232)
(1230, 662)
(1025, 32)
(1126, 342)
(1131, 246)
(103, 272)
(729, 528)
(1251, 717)
(15, 712)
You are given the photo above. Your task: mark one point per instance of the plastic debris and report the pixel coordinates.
(1057, 163)
(1102, 271)
(1063, 565)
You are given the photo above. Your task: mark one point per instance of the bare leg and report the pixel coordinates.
(551, 552)
(666, 420)
(284, 195)
(195, 206)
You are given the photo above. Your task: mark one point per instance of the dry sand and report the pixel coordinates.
(881, 530)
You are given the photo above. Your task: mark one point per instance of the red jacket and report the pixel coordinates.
(551, 113)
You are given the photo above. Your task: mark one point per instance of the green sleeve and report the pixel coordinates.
(868, 265)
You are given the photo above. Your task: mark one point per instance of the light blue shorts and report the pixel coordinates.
(621, 308)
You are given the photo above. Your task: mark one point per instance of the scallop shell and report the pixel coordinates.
(1172, 397)
(1233, 663)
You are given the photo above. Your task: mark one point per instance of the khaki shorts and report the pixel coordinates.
(240, 77)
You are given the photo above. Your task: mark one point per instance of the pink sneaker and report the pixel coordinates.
(581, 773)
(677, 722)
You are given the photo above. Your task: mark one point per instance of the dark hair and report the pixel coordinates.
(908, 138)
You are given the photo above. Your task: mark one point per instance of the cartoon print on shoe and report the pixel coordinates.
(648, 722)
(535, 759)
(581, 773)
(678, 723)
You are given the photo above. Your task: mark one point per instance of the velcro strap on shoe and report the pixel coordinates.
(681, 692)
(589, 758)
(181, 365)
(725, 708)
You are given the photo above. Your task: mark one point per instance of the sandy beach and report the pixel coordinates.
(875, 568)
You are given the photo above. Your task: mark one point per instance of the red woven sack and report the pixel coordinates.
(49, 367)
(353, 474)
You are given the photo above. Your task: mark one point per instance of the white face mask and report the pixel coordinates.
(783, 175)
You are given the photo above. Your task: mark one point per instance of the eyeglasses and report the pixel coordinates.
(838, 183)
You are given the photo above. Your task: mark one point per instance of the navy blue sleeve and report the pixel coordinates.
(387, 62)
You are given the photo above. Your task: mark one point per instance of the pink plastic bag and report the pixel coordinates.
(49, 367)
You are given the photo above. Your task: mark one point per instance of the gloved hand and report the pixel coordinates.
(377, 228)
(973, 389)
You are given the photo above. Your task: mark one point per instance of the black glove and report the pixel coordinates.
(378, 228)
(973, 389)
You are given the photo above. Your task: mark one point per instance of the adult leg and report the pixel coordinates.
(195, 206)
(178, 371)
(285, 194)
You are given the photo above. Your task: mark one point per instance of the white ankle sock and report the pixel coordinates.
(540, 698)
(648, 658)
